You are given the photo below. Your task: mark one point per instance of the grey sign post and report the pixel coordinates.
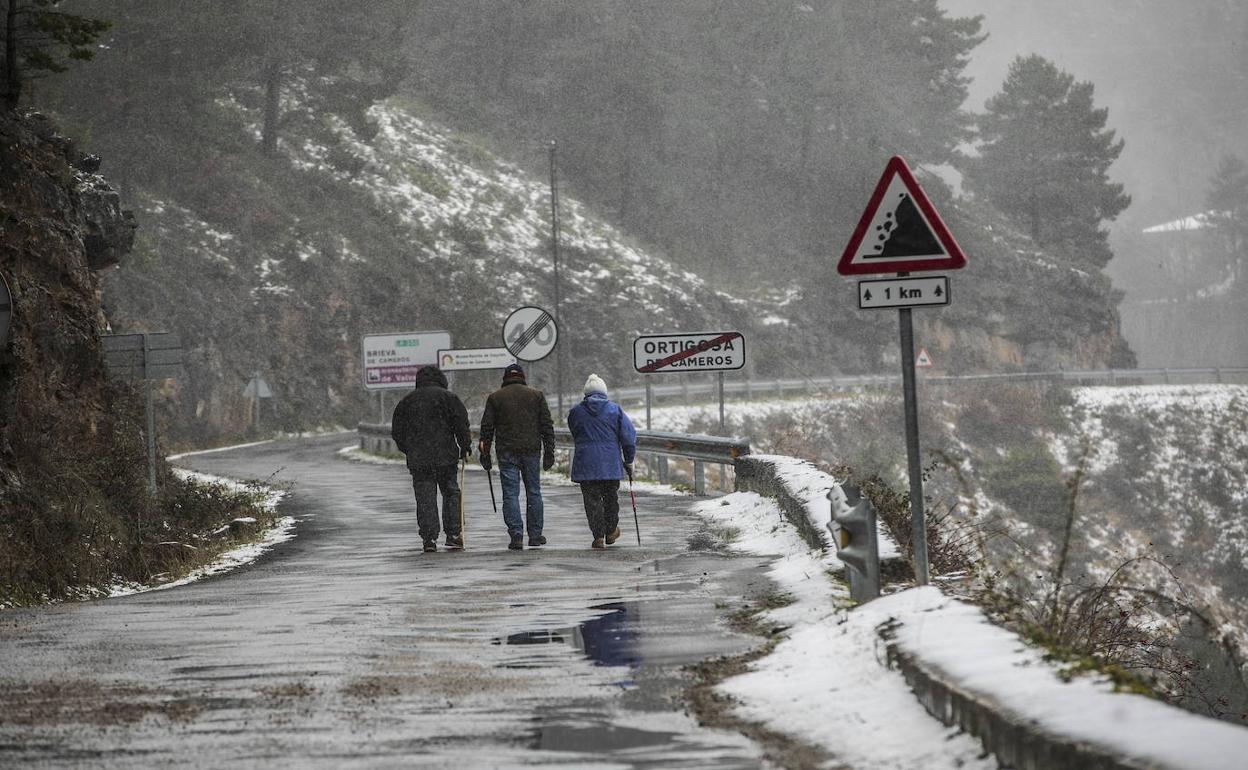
(900, 232)
(145, 357)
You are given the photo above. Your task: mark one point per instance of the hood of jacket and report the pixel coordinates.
(596, 403)
(430, 375)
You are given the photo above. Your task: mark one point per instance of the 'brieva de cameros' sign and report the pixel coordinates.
(701, 352)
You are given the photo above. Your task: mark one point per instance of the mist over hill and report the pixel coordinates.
(300, 182)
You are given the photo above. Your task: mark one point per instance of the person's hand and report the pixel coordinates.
(628, 468)
(548, 461)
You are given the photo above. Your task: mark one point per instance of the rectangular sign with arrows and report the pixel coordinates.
(903, 292)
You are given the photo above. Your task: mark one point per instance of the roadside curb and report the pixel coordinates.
(1015, 741)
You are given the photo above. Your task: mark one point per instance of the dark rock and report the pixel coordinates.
(108, 231)
(88, 164)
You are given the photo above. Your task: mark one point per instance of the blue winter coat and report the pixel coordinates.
(602, 434)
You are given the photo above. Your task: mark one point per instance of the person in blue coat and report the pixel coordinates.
(605, 444)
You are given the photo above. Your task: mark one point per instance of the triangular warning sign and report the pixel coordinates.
(900, 232)
(923, 360)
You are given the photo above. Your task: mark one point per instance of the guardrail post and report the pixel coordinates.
(780, 389)
(857, 545)
(1165, 376)
(699, 477)
(1217, 374)
(684, 390)
(723, 478)
(663, 470)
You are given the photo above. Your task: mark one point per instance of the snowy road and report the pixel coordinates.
(348, 647)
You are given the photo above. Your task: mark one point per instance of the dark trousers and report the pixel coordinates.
(426, 481)
(602, 505)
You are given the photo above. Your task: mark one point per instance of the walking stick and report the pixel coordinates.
(463, 531)
(633, 497)
(489, 474)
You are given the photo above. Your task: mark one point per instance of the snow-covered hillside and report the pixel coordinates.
(402, 227)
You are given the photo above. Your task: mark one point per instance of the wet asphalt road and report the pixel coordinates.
(347, 647)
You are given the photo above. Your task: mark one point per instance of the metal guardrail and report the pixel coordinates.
(659, 445)
(780, 387)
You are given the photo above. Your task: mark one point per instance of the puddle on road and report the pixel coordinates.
(598, 738)
(607, 640)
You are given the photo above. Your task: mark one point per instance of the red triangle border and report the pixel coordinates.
(954, 257)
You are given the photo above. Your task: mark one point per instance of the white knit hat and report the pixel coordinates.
(595, 385)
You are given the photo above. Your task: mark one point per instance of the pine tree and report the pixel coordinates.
(1044, 160)
(1228, 211)
(40, 39)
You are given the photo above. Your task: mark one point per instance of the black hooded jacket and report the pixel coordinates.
(430, 424)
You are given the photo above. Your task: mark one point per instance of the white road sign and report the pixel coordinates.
(530, 333)
(703, 352)
(392, 360)
(903, 292)
(465, 359)
(257, 387)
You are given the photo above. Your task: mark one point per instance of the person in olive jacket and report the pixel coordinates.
(430, 426)
(605, 444)
(517, 422)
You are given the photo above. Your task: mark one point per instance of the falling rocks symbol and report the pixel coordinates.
(904, 233)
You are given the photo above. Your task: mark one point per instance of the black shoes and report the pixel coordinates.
(431, 546)
(517, 543)
(613, 535)
(455, 542)
(536, 541)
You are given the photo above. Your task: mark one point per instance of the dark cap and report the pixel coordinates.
(513, 373)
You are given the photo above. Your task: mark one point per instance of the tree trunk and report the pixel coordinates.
(272, 106)
(12, 78)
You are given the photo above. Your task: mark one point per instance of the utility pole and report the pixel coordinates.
(554, 250)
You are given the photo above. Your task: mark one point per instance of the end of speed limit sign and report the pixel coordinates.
(529, 333)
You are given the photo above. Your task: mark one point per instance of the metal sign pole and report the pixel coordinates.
(151, 420)
(721, 405)
(919, 536)
(554, 250)
(647, 403)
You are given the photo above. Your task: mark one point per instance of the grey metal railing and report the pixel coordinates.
(783, 386)
(654, 448)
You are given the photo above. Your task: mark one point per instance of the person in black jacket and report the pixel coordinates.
(430, 426)
(517, 418)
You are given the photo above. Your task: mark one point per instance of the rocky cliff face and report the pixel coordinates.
(60, 225)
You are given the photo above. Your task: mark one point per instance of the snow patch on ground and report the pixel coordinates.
(218, 449)
(825, 683)
(245, 554)
(355, 454)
